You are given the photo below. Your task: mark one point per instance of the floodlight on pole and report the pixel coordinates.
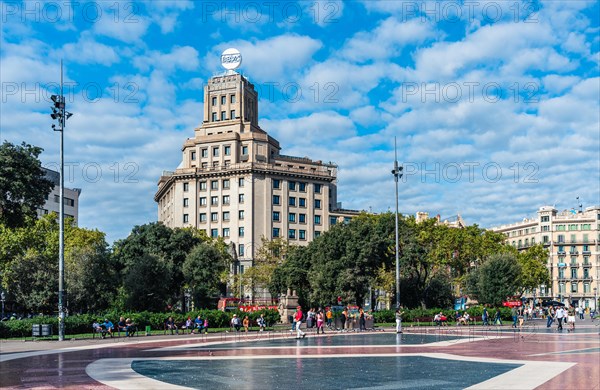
(59, 113)
(397, 172)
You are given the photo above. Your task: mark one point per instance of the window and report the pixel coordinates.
(204, 153)
(202, 217)
(292, 217)
(214, 201)
(241, 231)
(186, 202)
(241, 214)
(561, 238)
(214, 116)
(214, 184)
(241, 250)
(232, 99)
(225, 199)
(560, 228)
(573, 249)
(292, 201)
(223, 115)
(545, 239)
(223, 99)
(586, 287)
(203, 201)
(317, 219)
(561, 273)
(545, 218)
(333, 221)
(561, 288)
(573, 273)
(302, 202)
(586, 238)
(245, 150)
(586, 226)
(227, 150)
(317, 203)
(214, 101)
(546, 228)
(302, 187)
(225, 232)
(202, 186)
(573, 227)
(241, 198)
(586, 273)
(561, 249)
(226, 183)
(215, 164)
(232, 114)
(193, 156)
(186, 218)
(225, 215)
(214, 217)
(292, 185)
(214, 233)
(292, 234)
(276, 199)
(275, 232)
(302, 234)
(574, 287)
(317, 188)
(186, 187)
(275, 215)
(241, 182)
(573, 238)
(276, 183)
(317, 233)
(216, 151)
(302, 218)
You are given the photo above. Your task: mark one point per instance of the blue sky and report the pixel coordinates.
(494, 104)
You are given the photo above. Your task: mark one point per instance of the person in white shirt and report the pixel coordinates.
(560, 314)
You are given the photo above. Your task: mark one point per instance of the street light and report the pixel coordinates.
(397, 172)
(59, 113)
(595, 299)
(3, 298)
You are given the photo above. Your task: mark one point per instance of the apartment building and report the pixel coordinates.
(52, 204)
(572, 238)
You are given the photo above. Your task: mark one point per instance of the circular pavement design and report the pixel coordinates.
(421, 358)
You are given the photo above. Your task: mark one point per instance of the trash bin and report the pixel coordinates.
(148, 330)
(36, 330)
(46, 330)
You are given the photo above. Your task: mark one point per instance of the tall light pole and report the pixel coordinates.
(59, 113)
(397, 172)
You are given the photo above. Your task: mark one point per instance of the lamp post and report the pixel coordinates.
(3, 296)
(595, 299)
(60, 113)
(397, 172)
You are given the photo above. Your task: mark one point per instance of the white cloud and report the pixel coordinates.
(87, 51)
(387, 40)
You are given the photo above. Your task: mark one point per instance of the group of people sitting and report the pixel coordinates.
(237, 323)
(108, 328)
(197, 325)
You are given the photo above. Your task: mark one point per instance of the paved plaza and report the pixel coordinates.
(449, 357)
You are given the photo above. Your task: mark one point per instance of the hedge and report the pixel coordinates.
(82, 323)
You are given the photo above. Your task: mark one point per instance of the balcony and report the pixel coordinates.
(587, 264)
(586, 252)
(561, 253)
(574, 265)
(573, 253)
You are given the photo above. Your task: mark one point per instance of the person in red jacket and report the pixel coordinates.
(298, 321)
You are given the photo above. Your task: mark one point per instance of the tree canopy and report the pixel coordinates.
(23, 185)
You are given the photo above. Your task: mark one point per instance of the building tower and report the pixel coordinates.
(234, 183)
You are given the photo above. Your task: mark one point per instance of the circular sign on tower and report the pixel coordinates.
(231, 59)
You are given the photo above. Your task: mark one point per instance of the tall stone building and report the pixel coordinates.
(234, 183)
(573, 239)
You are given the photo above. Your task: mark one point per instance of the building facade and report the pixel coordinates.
(234, 183)
(572, 239)
(52, 204)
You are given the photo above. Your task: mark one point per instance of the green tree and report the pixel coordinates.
(144, 284)
(269, 256)
(534, 271)
(206, 270)
(169, 246)
(495, 280)
(30, 265)
(23, 185)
